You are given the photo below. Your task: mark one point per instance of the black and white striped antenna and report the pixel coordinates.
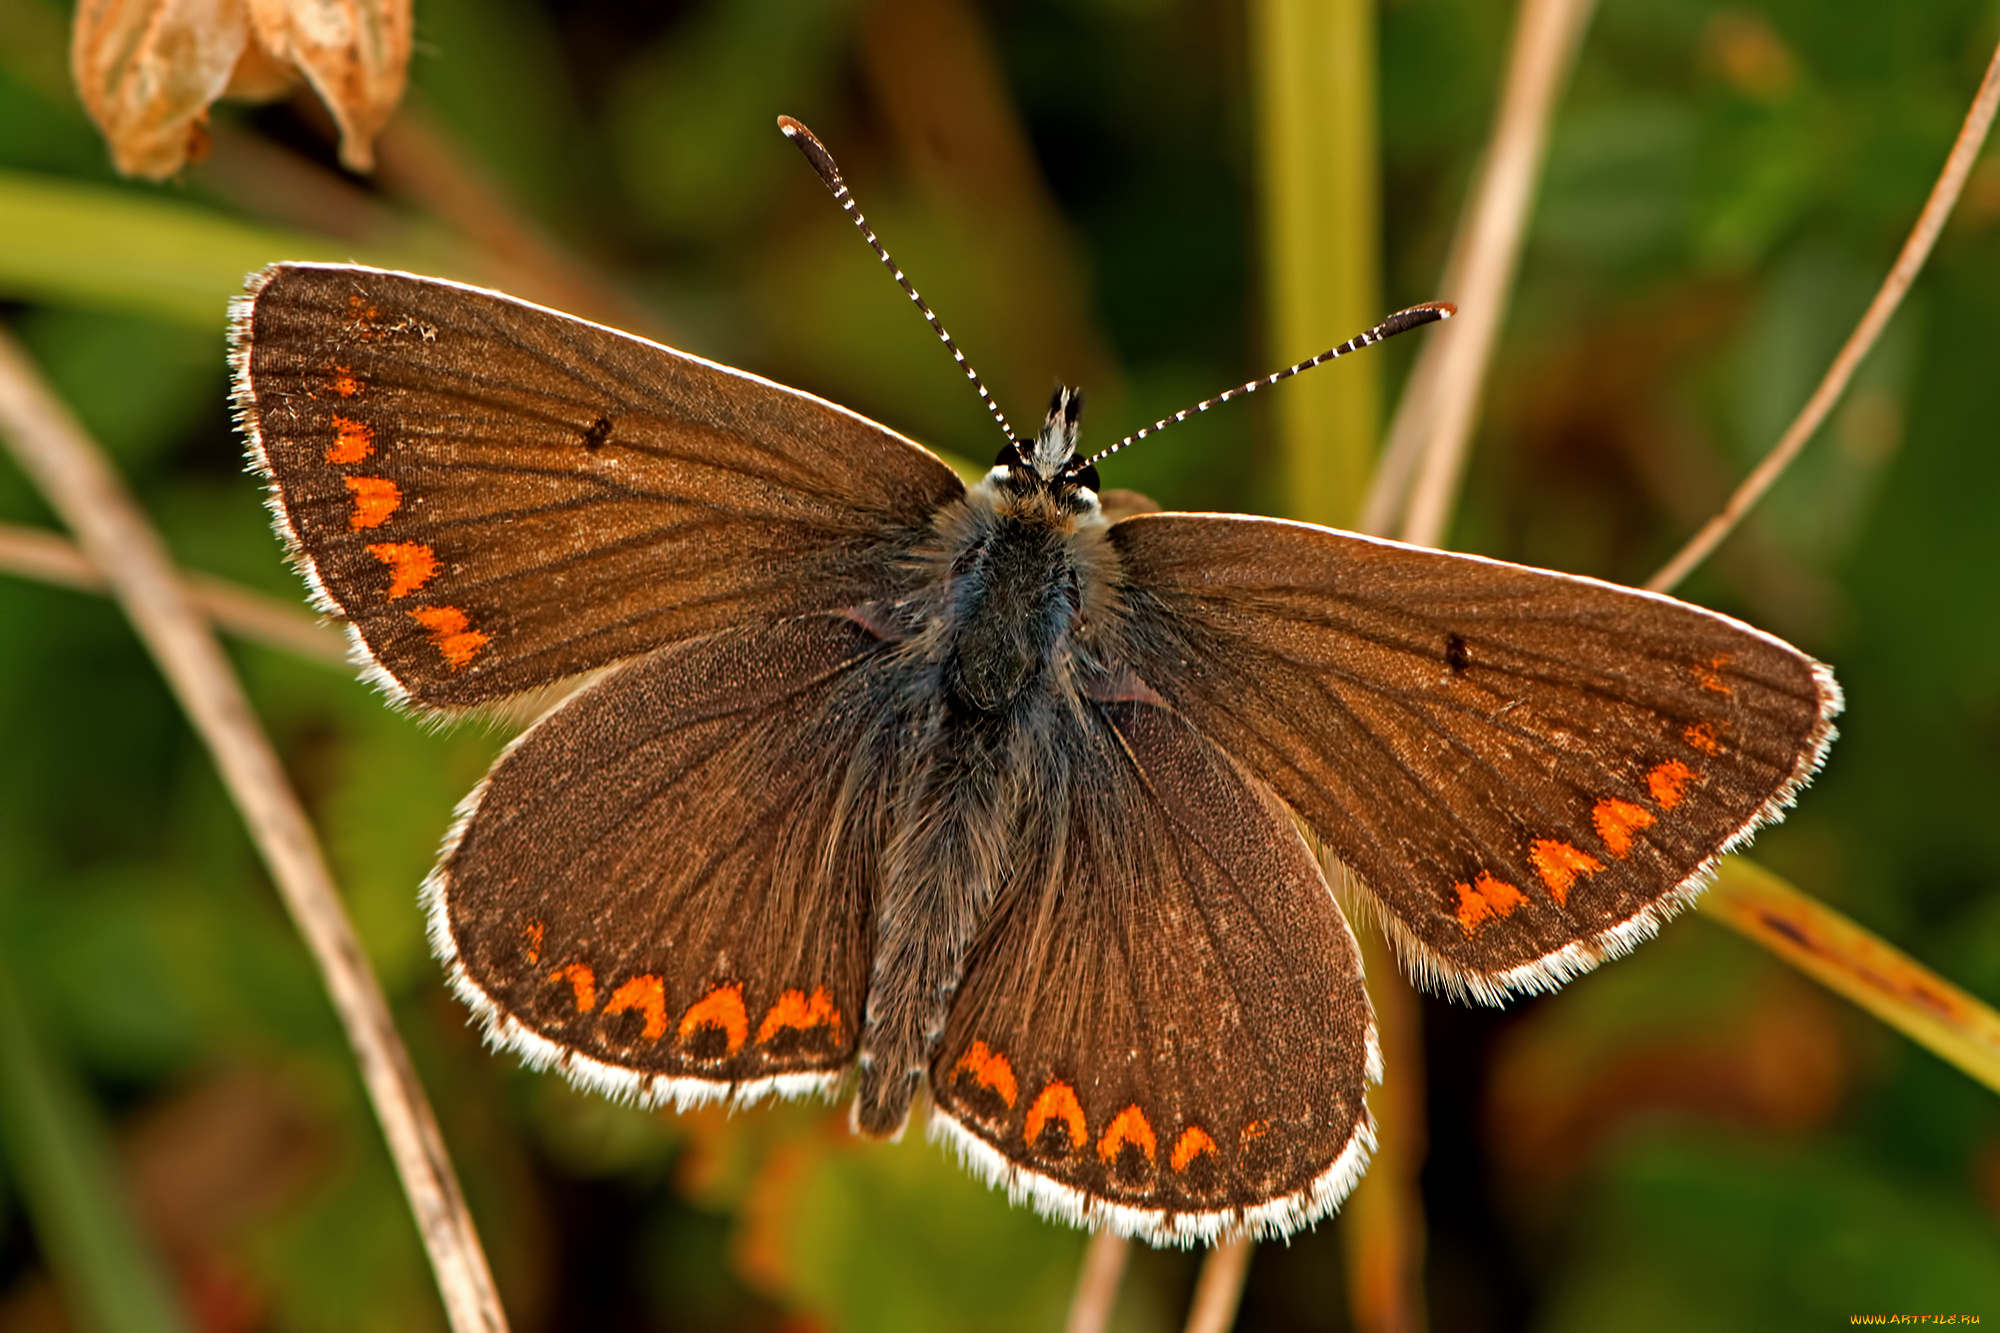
(1400, 322)
(822, 162)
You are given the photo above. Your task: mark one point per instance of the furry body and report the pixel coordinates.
(1008, 624)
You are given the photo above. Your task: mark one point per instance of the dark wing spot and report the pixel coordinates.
(1456, 655)
(1053, 1144)
(599, 432)
(1131, 1167)
(706, 1043)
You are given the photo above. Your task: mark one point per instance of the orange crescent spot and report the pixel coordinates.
(583, 981)
(1559, 865)
(452, 633)
(1617, 821)
(1128, 1126)
(1057, 1100)
(352, 441)
(375, 498)
(365, 317)
(344, 382)
(1486, 897)
(649, 997)
(411, 565)
(721, 1008)
(794, 1010)
(1709, 673)
(1256, 1129)
(989, 1069)
(531, 937)
(1701, 735)
(1667, 781)
(1193, 1142)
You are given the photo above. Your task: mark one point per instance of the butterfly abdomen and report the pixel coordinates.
(1009, 586)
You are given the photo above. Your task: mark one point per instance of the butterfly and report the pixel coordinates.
(883, 783)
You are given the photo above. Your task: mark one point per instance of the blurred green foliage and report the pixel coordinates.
(1725, 186)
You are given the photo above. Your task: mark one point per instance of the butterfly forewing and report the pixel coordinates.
(1526, 769)
(497, 496)
(1163, 1027)
(666, 884)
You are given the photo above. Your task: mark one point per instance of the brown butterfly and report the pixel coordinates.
(888, 781)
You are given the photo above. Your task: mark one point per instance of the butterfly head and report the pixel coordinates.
(1050, 461)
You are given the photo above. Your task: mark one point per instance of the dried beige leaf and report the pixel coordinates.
(260, 76)
(353, 52)
(148, 70)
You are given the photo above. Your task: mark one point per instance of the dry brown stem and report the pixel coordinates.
(1096, 1292)
(1944, 194)
(271, 621)
(115, 534)
(1382, 1223)
(1433, 426)
(1220, 1287)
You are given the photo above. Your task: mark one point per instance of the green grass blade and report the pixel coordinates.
(1320, 167)
(67, 243)
(1857, 964)
(62, 1166)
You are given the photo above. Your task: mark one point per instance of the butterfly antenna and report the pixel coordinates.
(822, 162)
(1400, 322)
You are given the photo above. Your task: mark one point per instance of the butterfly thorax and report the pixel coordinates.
(1018, 564)
(1016, 593)
(1013, 573)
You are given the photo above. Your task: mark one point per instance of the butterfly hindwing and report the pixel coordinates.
(665, 886)
(1162, 1027)
(1526, 770)
(497, 496)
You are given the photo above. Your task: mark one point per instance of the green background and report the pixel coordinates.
(1693, 1138)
